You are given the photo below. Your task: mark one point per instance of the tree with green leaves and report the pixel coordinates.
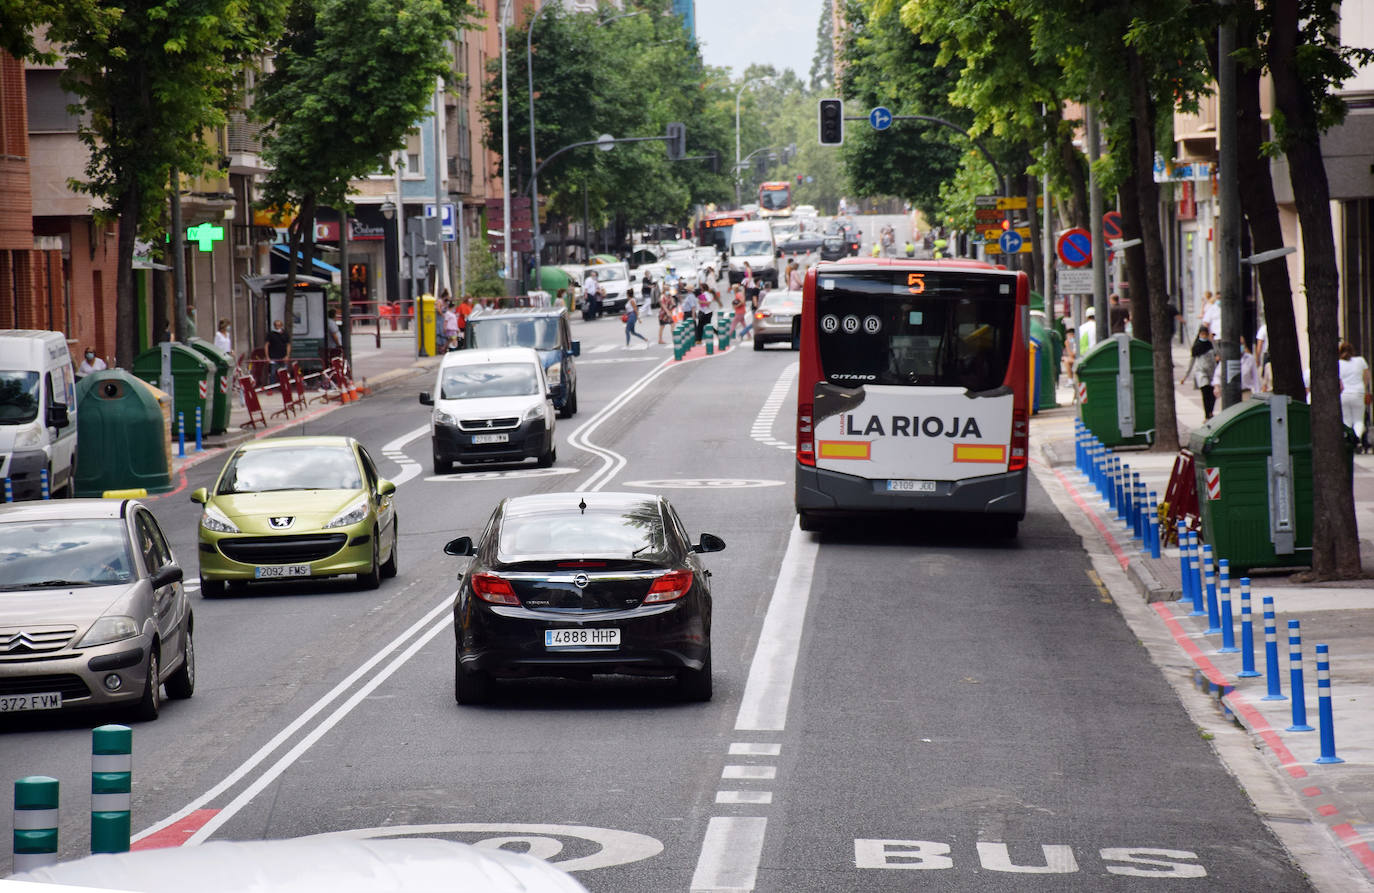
(822, 76)
(350, 78)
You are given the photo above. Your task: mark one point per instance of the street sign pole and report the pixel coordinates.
(1095, 219)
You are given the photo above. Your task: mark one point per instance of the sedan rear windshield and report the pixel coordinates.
(541, 333)
(489, 380)
(632, 534)
(57, 554)
(18, 397)
(293, 468)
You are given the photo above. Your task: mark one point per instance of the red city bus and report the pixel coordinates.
(913, 393)
(775, 199)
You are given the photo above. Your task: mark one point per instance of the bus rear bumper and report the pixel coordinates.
(818, 490)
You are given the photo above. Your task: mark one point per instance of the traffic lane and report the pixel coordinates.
(957, 698)
(616, 753)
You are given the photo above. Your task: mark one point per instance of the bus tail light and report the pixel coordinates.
(1020, 440)
(494, 590)
(806, 445)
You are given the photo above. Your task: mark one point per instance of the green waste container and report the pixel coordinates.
(193, 379)
(121, 440)
(1254, 482)
(222, 393)
(1118, 406)
(1043, 378)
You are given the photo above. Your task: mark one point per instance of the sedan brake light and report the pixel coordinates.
(669, 587)
(493, 589)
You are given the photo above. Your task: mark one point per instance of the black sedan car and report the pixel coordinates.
(834, 248)
(577, 584)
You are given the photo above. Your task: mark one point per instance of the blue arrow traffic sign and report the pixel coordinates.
(1010, 242)
(880, 118)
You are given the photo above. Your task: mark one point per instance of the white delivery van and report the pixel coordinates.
(614, 280)
(752, 242)
(37, 413)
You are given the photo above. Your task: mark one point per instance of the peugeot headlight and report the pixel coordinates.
(555, 373)
(29, 436)
(215, 520)
(536, 411)
(109, 629)
(443, 418)
(355, 512)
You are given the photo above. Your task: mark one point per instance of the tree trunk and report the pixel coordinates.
(1335, 536)
(1072, 162)
(1141, 324)
(1037, 270)
(1143, 127)
(1262, 214)
(126, 306)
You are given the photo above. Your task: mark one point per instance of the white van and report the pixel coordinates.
(752, 242)
(614, 280)
(37, 413)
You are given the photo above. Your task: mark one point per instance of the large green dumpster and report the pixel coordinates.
(1118, 405)
(193, 379)
(222, 392)
(1254, 482)
(121, 441)
(1043, 377)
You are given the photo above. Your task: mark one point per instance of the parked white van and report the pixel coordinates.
(752, 242)
(37, 412)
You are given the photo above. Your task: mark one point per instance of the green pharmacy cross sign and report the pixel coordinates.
(207, 234)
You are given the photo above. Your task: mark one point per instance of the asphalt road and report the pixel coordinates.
(895, 707)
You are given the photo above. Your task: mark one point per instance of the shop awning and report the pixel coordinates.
(282, 251)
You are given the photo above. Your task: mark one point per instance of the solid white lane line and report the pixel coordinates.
(730, 855)
(769, 688)
(281, 737)
(612, 461)
(316, 734)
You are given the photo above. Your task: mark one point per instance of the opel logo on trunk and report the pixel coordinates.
(281, 523)
(581, 581)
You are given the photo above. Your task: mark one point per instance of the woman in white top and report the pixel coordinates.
(1354, 372)
(222, 337)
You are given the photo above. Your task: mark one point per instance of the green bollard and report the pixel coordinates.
(35, 822)
(708, 334)
(112, 765)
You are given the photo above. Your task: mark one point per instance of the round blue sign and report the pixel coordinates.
(880, 118)
(1010, 242)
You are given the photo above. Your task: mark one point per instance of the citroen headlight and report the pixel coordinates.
(109, 629)
(354, 513)
(216, 521)
(534, 412)
(555, 373)
(29, 436)
(443, 418)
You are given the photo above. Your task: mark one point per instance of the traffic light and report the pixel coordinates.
(831, 122)
(1006, 225)
(799, 179)
(677, 141)
(715, 162)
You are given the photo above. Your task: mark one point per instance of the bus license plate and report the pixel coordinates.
(276, 571)
(911, 486)
(491, 438)
(48, 700)
(581, 638)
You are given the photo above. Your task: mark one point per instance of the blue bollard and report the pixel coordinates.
(1271, 652)
(1295, 679)
(43, 490)
(9, 490)
(1078, 444)
(1137, 503)
(1156, 544)
(1247, 633)
(181, 435)
(1100, 469)
(1194, 580)
(1328, 732)
(1228, 624)
(1181, 530)
(1209, 578)
(1122, 472)
(200, 447)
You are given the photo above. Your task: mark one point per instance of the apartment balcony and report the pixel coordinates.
(244, 145)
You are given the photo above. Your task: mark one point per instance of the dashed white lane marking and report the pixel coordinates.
(464, 477)
(762, 429)
(756, 773)
(754, 749)
(395, 452)
(745, 798)
(611, 360)
(730, 855)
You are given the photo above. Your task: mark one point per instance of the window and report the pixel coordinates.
(48, 102)
(414, 155)
(151, 543)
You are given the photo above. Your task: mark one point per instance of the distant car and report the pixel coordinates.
(834, 248)
(801, 244)
(576, 584)
(546, 330)
(773, 318)
(491, 406)
(805, 211)
(291, 508)
(92, 609)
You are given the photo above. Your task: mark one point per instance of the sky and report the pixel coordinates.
(739, 33)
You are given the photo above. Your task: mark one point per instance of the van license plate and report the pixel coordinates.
(490, 438)
(911, 486)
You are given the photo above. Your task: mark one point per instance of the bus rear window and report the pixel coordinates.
(903, 327)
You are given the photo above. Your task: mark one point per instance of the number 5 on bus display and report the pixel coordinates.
(914, 391)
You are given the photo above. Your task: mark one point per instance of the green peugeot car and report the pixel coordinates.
(297, 507)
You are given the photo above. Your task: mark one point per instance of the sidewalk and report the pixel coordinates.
(1336, 797)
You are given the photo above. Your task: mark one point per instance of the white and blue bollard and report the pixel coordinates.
(1271, 652)
(43, 489)
(9, 490)
(1328, 731)
(35, 822)
(1247, 633)
(1181, 530)
(1156, 546)
(181, 435)
(1137, 503)
(1194, 580)
(1295, 679)
(1209, 578)
(200, 447)
(1228, 622)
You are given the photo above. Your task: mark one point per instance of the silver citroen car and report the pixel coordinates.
(92, 609)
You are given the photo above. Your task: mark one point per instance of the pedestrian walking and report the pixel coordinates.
(450, 328)
(1355, 392)
(794, 277)
(631, 318)
(1209, 314)
(1202, 365)
(751, 285)
(740, 325)
(665, 316)
(222, 340)
(90, 363)
(278, 348)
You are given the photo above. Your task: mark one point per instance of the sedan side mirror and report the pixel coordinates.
(200, 495)
(709, 543)
(166, 575)
(426, 399)
(461, 546)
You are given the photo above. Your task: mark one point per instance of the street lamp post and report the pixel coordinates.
(505, 155)
(738, 94)
(392, 264)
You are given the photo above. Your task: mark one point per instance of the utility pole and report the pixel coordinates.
(1104, 327)
(181, 325)
(1228, 224)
